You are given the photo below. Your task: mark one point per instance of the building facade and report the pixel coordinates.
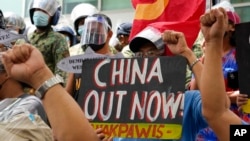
(118, 10)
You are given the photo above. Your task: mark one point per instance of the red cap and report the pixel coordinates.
(233, 16)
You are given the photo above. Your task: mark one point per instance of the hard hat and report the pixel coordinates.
(81, 11)
(14, 20)
(52, 7)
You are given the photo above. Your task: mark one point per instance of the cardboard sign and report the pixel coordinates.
(73, 64)
(134, 97)
(243, 59)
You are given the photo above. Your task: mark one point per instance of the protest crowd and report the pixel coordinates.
(167, 78)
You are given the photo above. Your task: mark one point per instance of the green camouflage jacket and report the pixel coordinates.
(53, 46)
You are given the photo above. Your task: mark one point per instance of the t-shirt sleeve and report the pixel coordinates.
(29, 105)
(196, 107)
(244, 123)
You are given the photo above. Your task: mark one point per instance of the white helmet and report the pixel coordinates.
(15, 21)
(224, 4)
(82, 10)
(52, 7)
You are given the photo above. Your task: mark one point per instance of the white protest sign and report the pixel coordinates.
(7, 37)
(73, 64)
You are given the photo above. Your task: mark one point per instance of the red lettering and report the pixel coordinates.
(130, 133)
(144, 132)
(123, 128)
(159, 131)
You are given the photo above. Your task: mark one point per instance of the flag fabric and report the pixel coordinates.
(174, 13)
(189, 28)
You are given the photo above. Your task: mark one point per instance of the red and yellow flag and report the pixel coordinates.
(173, 12)
(189, 28)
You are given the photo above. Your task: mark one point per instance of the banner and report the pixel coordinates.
(189, 28)
(134, 97)
(150, 11)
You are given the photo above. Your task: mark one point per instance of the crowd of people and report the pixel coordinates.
(30, 68)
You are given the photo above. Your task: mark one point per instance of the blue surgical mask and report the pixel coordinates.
(80, 30)
(40, 18)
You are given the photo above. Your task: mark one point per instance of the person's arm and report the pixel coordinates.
(70, 84)
(193, 85)
(177, 44)
(60, 51)
(25, 63)
(233, 96)
(215, 102)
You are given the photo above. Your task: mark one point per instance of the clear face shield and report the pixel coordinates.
(95, 31)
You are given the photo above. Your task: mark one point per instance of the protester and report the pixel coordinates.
(14, 23)
(102, 31)
(19, 109)
(25, 63)
(53, 46)
(215, 102)
(229, 59)
(230, 66)
(150, 43)
(95, 41)
(122, 35)
(78, 16)
(68, 33)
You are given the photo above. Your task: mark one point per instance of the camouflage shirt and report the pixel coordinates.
(53, 46)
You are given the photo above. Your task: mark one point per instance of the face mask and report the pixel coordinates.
(96, 47)
(80, 30)
(40, 18)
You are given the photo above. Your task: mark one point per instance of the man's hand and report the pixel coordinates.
(25, 63)
(214, 24)
(176, 42)
(101, 135)
(241, 100)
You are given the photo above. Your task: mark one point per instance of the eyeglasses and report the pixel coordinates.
(152, 53)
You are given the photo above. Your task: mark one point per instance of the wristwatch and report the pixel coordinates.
(41, 91)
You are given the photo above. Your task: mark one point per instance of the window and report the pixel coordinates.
(242, 7)
(238, 1)
(27, 11)
(244, 13)
(116, 4)
(68, 5)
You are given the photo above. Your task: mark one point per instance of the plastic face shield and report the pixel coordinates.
(95, 31)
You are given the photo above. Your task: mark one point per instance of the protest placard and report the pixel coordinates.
(135, 97)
